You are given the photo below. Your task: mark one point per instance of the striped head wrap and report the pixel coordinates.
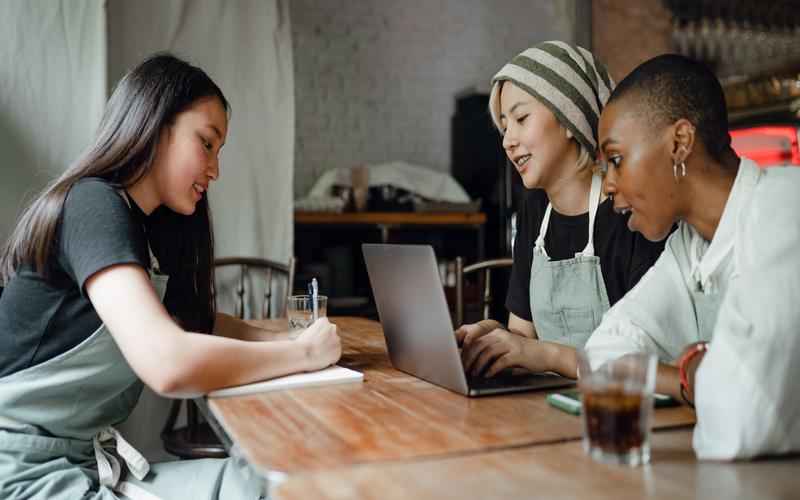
(567, 79)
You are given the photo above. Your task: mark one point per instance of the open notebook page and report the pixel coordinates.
(327, 376)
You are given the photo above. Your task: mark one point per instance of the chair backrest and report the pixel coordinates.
(485, 269)
(251, 269)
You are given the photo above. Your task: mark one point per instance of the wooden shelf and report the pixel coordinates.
(392, 218)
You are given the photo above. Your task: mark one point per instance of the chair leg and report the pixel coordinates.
(487, 294)
(459, 292)
(191, 419)
(169, 426)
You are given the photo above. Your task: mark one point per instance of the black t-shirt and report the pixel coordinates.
(41, 319)
(624, 255)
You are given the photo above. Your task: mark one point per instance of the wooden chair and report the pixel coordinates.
(268, 270)
(197, 439)
(486, 267)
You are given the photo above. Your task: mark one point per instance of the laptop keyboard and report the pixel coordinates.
(498, 381)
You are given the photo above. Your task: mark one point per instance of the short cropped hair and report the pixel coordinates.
(670, 87)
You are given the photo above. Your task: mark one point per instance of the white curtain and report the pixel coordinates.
(58, 60)
(52, 93)
(245, 46)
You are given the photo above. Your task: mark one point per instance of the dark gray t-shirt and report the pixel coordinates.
(41, 319)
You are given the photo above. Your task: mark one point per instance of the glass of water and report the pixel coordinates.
(301, 312)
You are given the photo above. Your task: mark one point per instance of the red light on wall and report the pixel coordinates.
(767, 145)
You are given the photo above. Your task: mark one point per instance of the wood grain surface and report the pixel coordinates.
(391, 416)
(554, 471)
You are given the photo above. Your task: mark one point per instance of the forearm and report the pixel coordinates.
(234, 328)
(668, 381)
(521, 326)
(558, 358)
(203, 363)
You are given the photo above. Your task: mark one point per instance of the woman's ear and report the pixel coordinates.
(683, 137)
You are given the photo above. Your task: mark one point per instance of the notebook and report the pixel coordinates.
(328, 376)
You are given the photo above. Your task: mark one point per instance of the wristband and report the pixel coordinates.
(683, 363)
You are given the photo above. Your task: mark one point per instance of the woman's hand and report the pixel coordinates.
(323, 346)
(501, 349)
(469, 333)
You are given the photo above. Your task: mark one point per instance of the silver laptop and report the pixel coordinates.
(417, 326)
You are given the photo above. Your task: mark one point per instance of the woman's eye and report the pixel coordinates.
(609, 161)
(207, 145)
(521, 119)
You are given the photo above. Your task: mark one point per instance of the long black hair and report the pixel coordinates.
(146, 100)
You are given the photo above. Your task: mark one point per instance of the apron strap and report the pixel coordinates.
(109, 469)
(108, 466)
(543, 230)
(594, 202)
(703, 262)
(153, 261)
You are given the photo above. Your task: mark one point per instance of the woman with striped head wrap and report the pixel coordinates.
(573, 255)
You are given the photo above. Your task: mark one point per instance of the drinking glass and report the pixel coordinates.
(300, 311)
(617, 405)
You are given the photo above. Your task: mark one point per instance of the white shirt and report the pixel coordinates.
(746, 402)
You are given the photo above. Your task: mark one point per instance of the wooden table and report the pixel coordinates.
(390, 417)
(558, 470)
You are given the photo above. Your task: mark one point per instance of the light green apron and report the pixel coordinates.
(707, 302)
(57, 439)
(568, 297)
(707, 297)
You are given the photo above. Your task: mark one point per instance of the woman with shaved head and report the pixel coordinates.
(721, 303)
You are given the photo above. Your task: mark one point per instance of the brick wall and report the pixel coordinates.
(625, 33)
(376, 80)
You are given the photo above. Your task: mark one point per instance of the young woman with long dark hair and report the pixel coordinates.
(108, 285)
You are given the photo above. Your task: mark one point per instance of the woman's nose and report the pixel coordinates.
(213, 169)
(610, 182)
(509, 139)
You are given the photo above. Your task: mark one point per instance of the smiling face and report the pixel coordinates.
(639, 169)
(187, 159)
(533, 139)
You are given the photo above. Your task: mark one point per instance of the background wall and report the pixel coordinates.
(626, 33)
(52, 93)
(246, 48)
(376, 79)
